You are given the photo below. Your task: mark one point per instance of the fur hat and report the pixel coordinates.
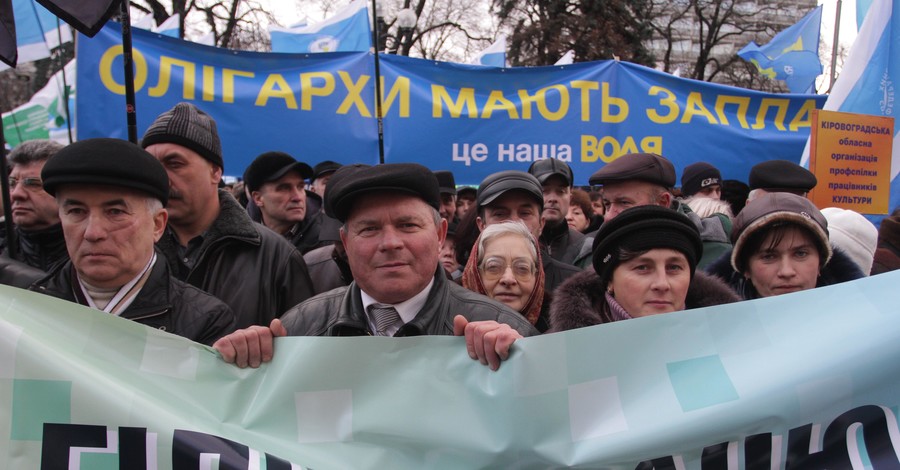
(188, 126)
(853, 234)
(645, 228)
(773, 209)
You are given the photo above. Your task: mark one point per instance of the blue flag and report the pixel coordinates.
(347, 31)
(792, 55)
(862, 7)
(494, 55)
(866, 84)
(37, 31)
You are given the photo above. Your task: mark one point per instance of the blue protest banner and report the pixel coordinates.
(314, 106)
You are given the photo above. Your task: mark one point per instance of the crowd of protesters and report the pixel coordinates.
(148, 233)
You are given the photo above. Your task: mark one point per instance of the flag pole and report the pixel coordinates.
(65, 89)
(130, 108)
(11, 246)
(834, 46)
(375, 44)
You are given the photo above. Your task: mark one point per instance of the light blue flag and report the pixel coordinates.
(494, 55)
(866, 83)
(862, 7)
(347, 31)
(792, 55)
(36, 31)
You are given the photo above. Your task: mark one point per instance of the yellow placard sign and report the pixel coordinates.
(850, 154)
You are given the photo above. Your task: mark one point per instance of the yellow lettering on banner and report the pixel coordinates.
(563, 103)
(527, 100)
(609, 149)
(399, 91)
(228, 83)
(166, 64)
(586, 86)
(354, 94)
(804, 116)
(466, 99)
(667, 101)
(589, 150)
(106, 76)
(695, 107)
(497, 102)
(743, 104)
(609, 102)
(308, 90)
(276, 87)
(781, 107)
(652, 144)
(209, 83)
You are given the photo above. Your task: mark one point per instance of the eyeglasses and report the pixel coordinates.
(31, 184)
(494, 268)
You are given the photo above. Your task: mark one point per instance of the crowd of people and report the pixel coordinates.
(149, 233)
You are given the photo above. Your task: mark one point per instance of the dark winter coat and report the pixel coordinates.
(562, 242)
(581, 301)
(257, 272)
(841, 268)
(887, 255)
(164, 303)
(326, 269)
(42, 249)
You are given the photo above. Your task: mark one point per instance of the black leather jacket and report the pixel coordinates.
(257, 272)
(340, 313)
(164, 303)
(42, 249)
(563, 243)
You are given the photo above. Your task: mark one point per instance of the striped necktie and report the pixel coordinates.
(384, 317)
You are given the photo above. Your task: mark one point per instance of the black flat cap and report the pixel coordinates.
(496, 184)
(270, 166)
(467, 190)
(111, 162)
(446, 182)
(325, 167)
(351, 181)
(544, 169)
(782, 176)
(648, 167)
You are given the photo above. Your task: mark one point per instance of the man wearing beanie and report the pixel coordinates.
(111, 196)
(392, 233)
(562, 243)
(701, 180)
(644, 263)
(641, 179)
(210, 241)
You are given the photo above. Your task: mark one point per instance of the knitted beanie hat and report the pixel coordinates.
(187, 125)
(697, 176)
(853, 234)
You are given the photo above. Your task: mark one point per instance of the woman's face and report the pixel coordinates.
(576, 218)
(790, 266)
(508, 270)
(652, 283)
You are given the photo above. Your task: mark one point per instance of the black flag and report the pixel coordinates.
(87, 16)
(8, 51)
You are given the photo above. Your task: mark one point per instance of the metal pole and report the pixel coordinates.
(130, 107)
(11, 246)
(834, 47)
(375, 43)
(65, 89)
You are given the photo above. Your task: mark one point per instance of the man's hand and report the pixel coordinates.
(251, 346)
(486, 341)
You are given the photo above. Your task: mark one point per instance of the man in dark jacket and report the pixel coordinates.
(562, 242)
(111, 196)
(210, 241)
(392, 232)
(39, 239)
(277, 185)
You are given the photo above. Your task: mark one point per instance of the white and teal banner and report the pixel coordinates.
(803, 381)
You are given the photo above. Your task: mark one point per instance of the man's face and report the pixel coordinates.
(193, 181)
(464, 204)
(713, 191)
(319, 184)
(556, 200)
(32, 208)
(513, 205)
(282, 202)
(448, 206)
(109, 232)
(620, 196)
(392, 245)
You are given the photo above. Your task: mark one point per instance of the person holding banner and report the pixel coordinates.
(392, 234)
(111, 195)
(781, 245)
(645, 263)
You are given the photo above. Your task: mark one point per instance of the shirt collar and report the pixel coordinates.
(408, 309)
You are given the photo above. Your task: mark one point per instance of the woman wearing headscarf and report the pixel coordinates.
(645, 262)
(505, 265)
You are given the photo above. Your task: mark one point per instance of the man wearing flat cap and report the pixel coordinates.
(562, 242)
(277, 185)
(780, 176)
(447, 187)
(111, 195)
(392, 233)
(643, 179)
(210, 241)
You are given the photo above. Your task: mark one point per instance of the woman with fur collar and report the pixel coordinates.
(645, 262)
(781, 246)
